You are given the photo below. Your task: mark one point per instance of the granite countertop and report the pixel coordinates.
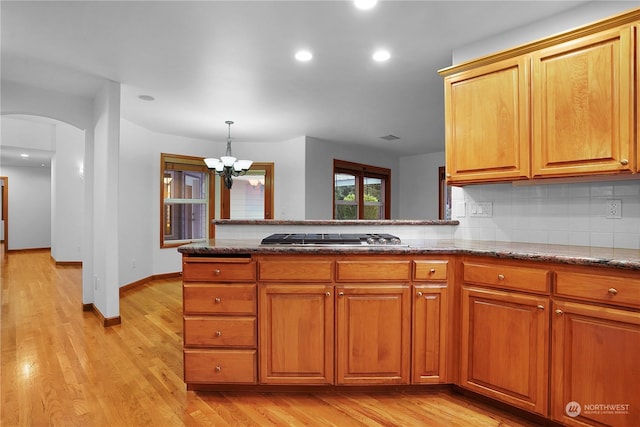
(628, 259)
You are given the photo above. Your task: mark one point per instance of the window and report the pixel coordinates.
(189, 202)
(251, 196)
(361, 191)
(186, 200)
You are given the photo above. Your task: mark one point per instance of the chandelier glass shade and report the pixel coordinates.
(228, 166)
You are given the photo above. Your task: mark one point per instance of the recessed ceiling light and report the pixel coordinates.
(365, 4)
(304, 55)
(24, 155)
(381, 55)
(146, 97)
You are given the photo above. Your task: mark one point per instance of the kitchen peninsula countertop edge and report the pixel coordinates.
(627, 259)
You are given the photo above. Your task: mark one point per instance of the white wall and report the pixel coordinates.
(67, 198)
(139, 184)
(29, 203)
(319, 174)
(581, 15)
(419, 186)
(554, 213)
(65, 187)
(105, 226)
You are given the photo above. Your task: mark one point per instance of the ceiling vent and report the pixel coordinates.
(389, 137)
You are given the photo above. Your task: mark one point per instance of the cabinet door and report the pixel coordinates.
(373, 326)
(583, 106)
(504, 348)
(487, 123)
(595, 374)
(296, 334)
(429, 333)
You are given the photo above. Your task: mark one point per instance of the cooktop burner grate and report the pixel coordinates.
(330, 239)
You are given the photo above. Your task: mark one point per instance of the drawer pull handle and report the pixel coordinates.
(419, 294)
(218, 300)
(218, 333)
(432, 271)
(328, 293)
(218, 368)
(217, 272)
(340, 293)
(540, 307)
(613, 291)
(500, 276)
(624, 162)
(559, 312)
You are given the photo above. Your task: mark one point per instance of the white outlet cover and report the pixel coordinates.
(614, 209)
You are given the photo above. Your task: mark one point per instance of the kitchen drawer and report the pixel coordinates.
(212, 331)
(220, 366)
(526, 279)
(203, 269)
(617, 290)
(296, 270)
(202, 298)
(373, 271)
(429, 270)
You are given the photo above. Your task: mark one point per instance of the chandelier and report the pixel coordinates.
(228, 166)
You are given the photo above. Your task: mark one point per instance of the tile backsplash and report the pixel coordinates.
(568, 214)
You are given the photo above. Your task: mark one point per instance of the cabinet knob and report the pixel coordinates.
(448, 175)
(624, 162)
(328, 293)
(217, 300)
(218, 333)
(216, 272)
(218, 368)
(432, 271)
(540, 307)
(613, 291)
(500, 276)
(340, 293)
(419, 294)
(559, 312)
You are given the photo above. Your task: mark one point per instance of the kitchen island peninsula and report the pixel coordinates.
(534, 326)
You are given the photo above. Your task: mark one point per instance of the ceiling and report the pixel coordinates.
(205, 62)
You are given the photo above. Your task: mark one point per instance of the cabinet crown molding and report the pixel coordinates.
(630, 17)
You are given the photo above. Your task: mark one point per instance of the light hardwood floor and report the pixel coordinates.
(60, 367)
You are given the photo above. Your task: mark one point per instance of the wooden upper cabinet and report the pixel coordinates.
(637, 40)
(582, 114)
(487, 122)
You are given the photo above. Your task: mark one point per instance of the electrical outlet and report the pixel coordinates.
(614, 209)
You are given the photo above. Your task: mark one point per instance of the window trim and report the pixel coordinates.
(361, 170)
(189, 163)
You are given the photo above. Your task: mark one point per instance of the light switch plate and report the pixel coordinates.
(481, 209)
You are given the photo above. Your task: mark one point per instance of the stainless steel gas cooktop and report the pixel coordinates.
(337, 239)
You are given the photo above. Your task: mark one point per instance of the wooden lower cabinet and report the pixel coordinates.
(595, 370)
(430, 333)
(373, 327)
(505, 346)
(296, 331)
